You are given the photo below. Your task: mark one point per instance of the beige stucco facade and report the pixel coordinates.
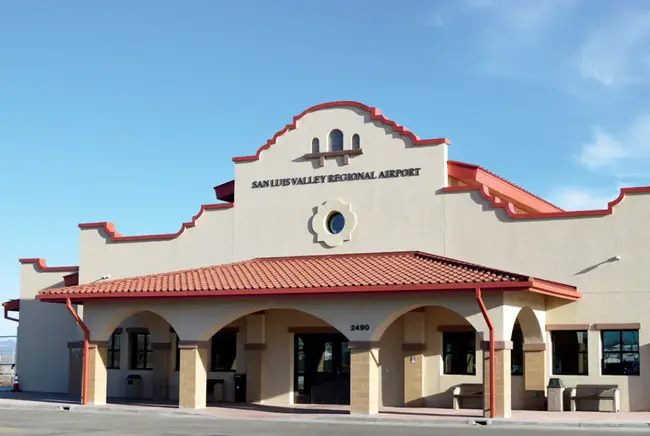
(402, 361)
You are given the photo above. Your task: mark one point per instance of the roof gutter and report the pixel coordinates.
(84, 380)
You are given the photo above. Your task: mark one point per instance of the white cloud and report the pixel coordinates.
(617, 53)
(569, 44)
(526, 20)
(517, 39)
(626, 154)
(574, 198)
(603, 151)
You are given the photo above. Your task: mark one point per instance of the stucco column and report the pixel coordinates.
(414, 344)
(97, 375)
(193, 375)
(364, 378)
(254, 348)
(161, 354)
(503, 393)
(254, 372)
(535, 375)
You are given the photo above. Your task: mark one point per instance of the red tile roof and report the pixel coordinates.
(368, 272)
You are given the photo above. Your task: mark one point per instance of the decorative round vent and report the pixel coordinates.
(334, 222)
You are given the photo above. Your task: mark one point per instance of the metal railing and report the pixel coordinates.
(7, 360)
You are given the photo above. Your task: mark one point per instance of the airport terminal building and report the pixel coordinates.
(351, 262)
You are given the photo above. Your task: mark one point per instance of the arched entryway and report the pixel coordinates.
(426, 352)
(276, 356)
(129, 360)
(528, 362)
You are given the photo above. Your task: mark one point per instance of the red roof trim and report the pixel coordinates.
(12, 305)
(509, 208)
(375, 115)
(114, 236)
(41, 265)
(492, 180)
(289, 291)
(554, 289)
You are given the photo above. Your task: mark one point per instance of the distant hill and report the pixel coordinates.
(7, 343)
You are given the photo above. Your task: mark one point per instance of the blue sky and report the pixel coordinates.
(130, 112)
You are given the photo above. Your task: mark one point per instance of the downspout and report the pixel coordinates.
(493, 372)
(84, 380)
(7, 317)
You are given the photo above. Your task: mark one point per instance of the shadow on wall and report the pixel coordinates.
(637, 385)
(593, 267)
(444, 400)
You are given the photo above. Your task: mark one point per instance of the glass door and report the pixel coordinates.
(322, 369)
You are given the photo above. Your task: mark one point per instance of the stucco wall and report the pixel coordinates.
(405, 213)
(43, 333)
(575, 251)
(275, 221)
(210, 242)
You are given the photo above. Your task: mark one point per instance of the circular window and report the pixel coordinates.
(335, 223)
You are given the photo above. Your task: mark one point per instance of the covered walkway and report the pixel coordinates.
(359, 297)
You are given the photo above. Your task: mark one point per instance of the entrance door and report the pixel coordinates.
(322, 369)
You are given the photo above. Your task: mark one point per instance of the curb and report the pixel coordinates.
(344, 419)
(569, 424)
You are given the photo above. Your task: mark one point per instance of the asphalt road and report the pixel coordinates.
(49, 423)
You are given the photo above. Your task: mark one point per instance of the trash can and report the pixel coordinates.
(134, 387)
(240, 388)
(555, 402)
(218, 390)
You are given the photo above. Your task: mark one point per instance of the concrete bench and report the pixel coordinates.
(466, 390)
(598, 394)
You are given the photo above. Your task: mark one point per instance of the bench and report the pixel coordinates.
(466, 390)
(596, 393)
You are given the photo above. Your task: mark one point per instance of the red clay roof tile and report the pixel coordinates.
(399, 269)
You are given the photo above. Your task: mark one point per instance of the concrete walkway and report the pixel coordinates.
(339, 414)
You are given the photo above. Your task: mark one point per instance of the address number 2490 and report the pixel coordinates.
(359, 327)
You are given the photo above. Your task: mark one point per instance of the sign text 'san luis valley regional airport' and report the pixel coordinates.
(334, 178)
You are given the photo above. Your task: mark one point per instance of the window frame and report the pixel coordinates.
(215, 343)
(134, 352)
(111, 350)
(356, 142)
(619, 353)
(471, 351)
(517, 351)
(579, 353)
(177, 351)
(336, 140)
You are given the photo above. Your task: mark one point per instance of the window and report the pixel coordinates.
(517, 353)
(620, 352)
(178, 354)
(459, 353)
(356, 141)
(570, 352)
(335, 223)
(336, 140)
(224, 351)
(140, 347)
(315, 145)
(113, 355)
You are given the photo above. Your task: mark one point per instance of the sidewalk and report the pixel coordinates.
(393, 416)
